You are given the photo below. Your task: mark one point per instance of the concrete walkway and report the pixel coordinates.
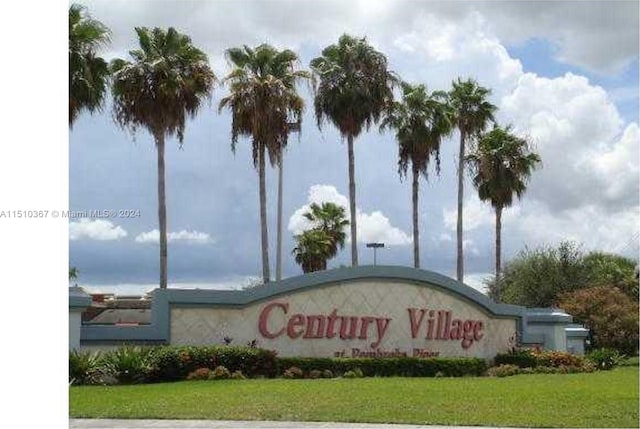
(229, 424)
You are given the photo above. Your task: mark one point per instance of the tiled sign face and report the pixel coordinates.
(353, 319)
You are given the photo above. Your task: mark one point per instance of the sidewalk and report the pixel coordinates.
(228, 424)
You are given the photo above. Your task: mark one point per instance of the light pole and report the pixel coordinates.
(375, 247)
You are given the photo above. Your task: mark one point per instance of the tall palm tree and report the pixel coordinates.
(354, 87)
(472, 115)
(331, 219)
(502, 164)
(311, 250)
(164, 84)
(88, 73)
(263, 103)
(420, 122)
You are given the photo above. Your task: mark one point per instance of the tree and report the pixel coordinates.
(472, 114)
(537, 277)
(329, 218)
(420, 122)
(264, 104)
(354, 88)
(502, 164)
(321, 242)
(164, 84)
(312, 249)
(610, 314)
(88, 73)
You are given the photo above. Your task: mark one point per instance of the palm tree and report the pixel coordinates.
(321, 242)
(166, 82)
(502, 164)
(311, 251)
(420, 122)
(329, 218)
(88, 73)
(354, 88)
(263, 103)
(472, 115)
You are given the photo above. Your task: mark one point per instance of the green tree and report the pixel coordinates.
(312, 248)
(420, 122)
(613, 270)
(88, 72)
(329, 218)
(166, 82)
(502, 164)
(472, 115)
(353, 89)
(611, 315)
(264, 104)
(536, 277)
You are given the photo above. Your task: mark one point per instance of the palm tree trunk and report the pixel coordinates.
(162, 211)
(416, 230)
(279, 239)
(263, 217)
(460, 260)
(498, 249)
(352, 203)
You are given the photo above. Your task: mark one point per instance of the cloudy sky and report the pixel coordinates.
(563, 73)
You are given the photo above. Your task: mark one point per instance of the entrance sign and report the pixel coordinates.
(367, 311)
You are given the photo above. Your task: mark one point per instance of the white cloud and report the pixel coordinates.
(102, 230)
(194, 237)
(475, 214)
(374, 226)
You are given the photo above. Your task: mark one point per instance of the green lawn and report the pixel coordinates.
(603, 399)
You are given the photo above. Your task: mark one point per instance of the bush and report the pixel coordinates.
(604, 359)
(84, 367)
(220, 373)
(175, 362)
(315, 374)
(327, 373)
(293, 372)
(237, 375)
(557, 359)
(504, 370)
(389, 367)
(199, 374)
(129, 364)
(523, 358)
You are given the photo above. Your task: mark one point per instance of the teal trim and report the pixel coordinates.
(547, 316)
(164, 300)
(78, 299)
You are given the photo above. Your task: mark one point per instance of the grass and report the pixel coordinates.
(602, 399)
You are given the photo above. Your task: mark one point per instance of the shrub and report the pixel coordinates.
(293, 372)
(199, 374)
(604, 358)
(237, 375)
(557, 359)
(129, 364)
(84, 367)
(389, 367)
(175, 362)
(523, 358)
(504, 370)
(220, 373)
(315, 374)
(327, 373)
(350, 374)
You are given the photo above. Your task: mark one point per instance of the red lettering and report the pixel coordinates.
(415, 324)
(477, 327)
(332, 321)
(318, 322)
(264, 316)
(295, 321)
(381, 325)
(364, 326)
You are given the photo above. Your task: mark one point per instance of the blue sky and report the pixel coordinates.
(572, 88)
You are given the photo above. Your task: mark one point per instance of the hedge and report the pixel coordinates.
(388, 367)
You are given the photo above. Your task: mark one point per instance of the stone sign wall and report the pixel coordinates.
(354, 318)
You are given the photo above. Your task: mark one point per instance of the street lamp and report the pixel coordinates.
(375, 247)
